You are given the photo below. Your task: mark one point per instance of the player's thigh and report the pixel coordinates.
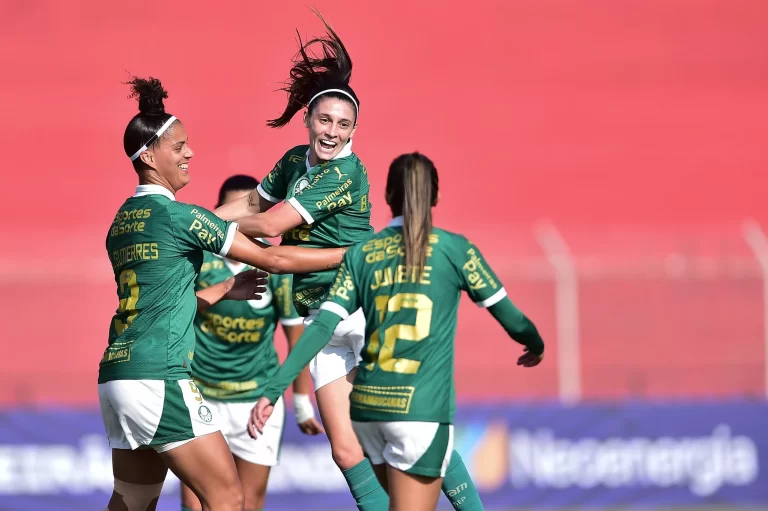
(253, 458)
(381, 475)
(206, 466)
(254, 480)
(418, 448)
(412, 492)
(139, 477)
(333, 404)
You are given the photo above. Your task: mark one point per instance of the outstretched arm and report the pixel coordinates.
(315, 337)
(302, 388)
(250, 204)
(285, 259)
(521, 329)
(270, 224)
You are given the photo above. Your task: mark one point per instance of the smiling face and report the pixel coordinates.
(331, 123)
(170, 156)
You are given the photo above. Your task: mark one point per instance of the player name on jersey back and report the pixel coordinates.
(407, 367)
(156, 247)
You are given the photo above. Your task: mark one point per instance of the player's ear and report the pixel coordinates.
(148, 158)
(354, 128)
(306, 118)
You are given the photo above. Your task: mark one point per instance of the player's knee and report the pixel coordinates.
(255, 501)
(232, 499)
(347, 453)
(137, 497)
(255, 496)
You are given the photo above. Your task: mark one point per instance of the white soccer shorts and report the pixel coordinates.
(233, 419)
(342, 354)
(422, 448)
(161, 414)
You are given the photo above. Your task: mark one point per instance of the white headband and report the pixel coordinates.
(157, 135)
(357, 109)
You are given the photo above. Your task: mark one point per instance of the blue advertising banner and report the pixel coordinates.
(519, 455)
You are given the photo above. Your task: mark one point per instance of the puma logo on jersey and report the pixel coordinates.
(341, 176)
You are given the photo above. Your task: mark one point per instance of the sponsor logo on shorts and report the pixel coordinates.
(205, 413)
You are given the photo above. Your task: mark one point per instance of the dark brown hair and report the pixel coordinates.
(412, 187)
(314, 72)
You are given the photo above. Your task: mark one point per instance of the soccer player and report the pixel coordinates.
(408, 280)
(325, 190)
(235, 353)
(154, 415)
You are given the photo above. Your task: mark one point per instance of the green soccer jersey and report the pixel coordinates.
(407, 369)
(156, 247)
(333, 200)
(235, 351)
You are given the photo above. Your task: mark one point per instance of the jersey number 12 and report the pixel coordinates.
(414, 333)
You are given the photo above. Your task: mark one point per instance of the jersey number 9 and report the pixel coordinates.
(127, 279)
(414, 333)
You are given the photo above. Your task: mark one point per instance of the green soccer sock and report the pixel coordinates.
(458, 486)
(365, 488)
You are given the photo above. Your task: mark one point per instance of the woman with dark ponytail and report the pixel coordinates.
(325, 190)
(408, 279)
(154, 415)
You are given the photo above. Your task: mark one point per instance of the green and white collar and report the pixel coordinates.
(342, 154)
(143, 190)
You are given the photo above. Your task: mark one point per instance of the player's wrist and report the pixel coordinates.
(228, 285)
(302, 408)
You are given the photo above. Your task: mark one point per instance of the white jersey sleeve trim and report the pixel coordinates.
(493, 300)
(302, 211)
(291, 321)
(336, 309)
(267, 196)
(233, 227)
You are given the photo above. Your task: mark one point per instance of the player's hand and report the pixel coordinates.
(259, 416)
(529, 359)
(311, 427)
(248, 285)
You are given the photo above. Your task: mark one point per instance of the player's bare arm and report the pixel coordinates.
(251, 204)
(283, 259)
(272, 223)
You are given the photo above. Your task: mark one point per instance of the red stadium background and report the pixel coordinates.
(632, 131)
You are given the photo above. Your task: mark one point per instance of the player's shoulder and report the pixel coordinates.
(450, 236)
(184, 209)
(151, 209)
(378, 239)
(146, 202)
(448, 241)
(350, 164)
(295, 155)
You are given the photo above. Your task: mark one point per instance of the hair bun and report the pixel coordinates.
(150, 94)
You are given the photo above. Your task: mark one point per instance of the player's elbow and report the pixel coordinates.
(276, 264)
(272, 231)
